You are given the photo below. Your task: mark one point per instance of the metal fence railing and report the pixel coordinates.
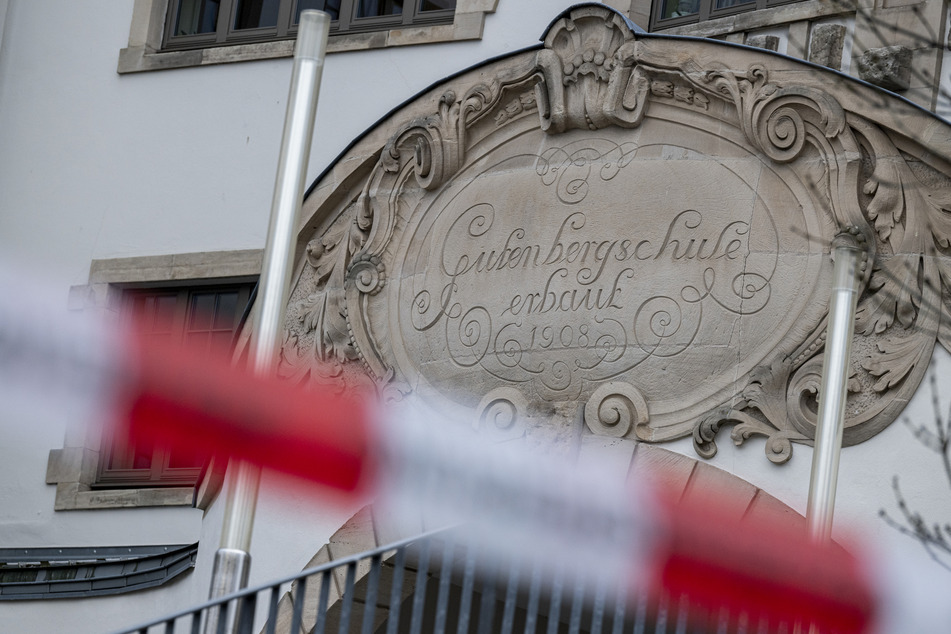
(436, 583)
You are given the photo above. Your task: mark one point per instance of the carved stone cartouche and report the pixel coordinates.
(621, 225)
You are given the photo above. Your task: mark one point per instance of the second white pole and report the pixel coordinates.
(847, 254)
(232, 560)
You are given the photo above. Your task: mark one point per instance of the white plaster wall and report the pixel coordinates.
(3, 18)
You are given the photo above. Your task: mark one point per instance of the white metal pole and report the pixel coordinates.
(847, 254)
(232, 560)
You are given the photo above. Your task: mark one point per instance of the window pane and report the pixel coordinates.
(680, 8)
(436, 5)
(329, 6)
(196, 16)
(164, 313)
(226, 310)
(125, 455)
(121, 453)
(197, 341)
(143, 456)
(373, 8)
(154, 313)
(142, 312)
(724, 4)
(253, 14)
(181, 459)
(211, 321)
(201, 310)
(221, 343)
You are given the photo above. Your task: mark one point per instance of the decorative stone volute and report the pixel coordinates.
(631, 233)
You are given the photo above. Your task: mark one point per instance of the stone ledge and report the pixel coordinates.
(180, 266)
(763, 18)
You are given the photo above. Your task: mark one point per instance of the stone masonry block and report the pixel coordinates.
(732, 494)
(827, 44)
(357, 615)
(388, 573)
(285, 615)
(888, 67)
(80, 297)
(765, 507)
(312, 589)
(356, 536)
(420, 35)
(468, 26)
(769, 42)
(392, 527)
(471, 6)
(612, 455)
(65, 465)
(662, 468)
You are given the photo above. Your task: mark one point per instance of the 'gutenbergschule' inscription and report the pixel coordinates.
(685, 239)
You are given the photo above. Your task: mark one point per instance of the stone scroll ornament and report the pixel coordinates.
(617, 222)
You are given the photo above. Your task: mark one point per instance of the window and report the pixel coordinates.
(194, 24)
(114, 287)
(204, 318)
(669, 13)
(167, 34)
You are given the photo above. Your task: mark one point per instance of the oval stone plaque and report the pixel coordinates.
(637, 243)
(562, 264)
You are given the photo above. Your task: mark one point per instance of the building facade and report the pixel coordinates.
(479, 202)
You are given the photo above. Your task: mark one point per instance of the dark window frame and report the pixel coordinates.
(707, 11)
(159, 473)
(286, 28)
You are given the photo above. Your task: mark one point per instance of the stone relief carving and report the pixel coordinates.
(521, 104)
(501, 413)
(327, 329)
(614, 409)
(516, 244)
(588, 78)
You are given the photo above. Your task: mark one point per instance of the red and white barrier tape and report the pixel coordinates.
(517, 503)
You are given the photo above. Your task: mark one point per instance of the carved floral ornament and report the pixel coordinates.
(615, 225)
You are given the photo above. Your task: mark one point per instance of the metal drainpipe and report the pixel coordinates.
(848, 255)
(232, 559)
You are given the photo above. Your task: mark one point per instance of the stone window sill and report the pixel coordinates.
(70, 470)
